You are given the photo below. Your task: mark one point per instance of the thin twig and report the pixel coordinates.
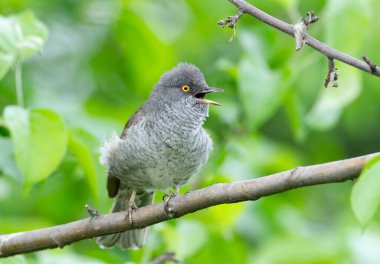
(232, 21)
(59, 236)
(310, 18)
(332, 75)
(91, 211)
(329, 52)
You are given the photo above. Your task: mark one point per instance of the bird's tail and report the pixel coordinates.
(129, 239)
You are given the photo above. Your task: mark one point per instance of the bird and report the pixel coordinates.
(162, 145)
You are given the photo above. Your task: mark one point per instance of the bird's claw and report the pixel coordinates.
(132, 206)
(169, 195)
(130, 210)
(166, 198)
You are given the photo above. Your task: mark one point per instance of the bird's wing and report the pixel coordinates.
(142, 111)
(113, 183)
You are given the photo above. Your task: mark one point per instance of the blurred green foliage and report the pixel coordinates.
(365, 196)
(99, 63)
(21, 36)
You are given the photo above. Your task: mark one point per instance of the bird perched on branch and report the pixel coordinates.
(162, 145)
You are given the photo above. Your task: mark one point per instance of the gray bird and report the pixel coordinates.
(162, 145)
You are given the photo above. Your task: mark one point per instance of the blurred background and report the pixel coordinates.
(100, 61)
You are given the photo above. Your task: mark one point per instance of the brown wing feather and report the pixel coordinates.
(133, 119)
(113, 183)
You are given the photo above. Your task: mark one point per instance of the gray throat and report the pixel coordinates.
(178, 120)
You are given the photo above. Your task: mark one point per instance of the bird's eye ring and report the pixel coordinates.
(185, 88)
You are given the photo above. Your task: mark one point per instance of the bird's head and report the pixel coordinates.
(184, 83)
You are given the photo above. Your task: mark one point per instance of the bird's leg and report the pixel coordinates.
(131, 207)
(167, 197)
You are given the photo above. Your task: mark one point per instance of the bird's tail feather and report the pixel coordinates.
(129, 239)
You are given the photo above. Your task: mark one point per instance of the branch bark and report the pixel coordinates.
(62, 235)
(329, 52)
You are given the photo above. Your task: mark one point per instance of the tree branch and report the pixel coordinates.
(329, 52)
(62, 235)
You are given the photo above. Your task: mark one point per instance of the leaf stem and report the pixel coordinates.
(18, 80)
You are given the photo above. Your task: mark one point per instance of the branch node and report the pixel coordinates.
(58, 243)
(294, 173)
(332, 75)
(91, 211)
(301, 27)
(372, 66)
(231, 21)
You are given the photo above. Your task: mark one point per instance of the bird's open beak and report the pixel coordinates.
(200, 96)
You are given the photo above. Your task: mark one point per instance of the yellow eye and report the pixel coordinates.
(185, 88)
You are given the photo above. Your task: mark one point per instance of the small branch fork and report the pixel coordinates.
(298, 31)
(91, 211)
(232, 21)
(300, 28)
(251, 190)
(310, 18)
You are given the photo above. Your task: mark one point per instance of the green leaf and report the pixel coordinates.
(21, 36)
(4, 131)
(365, 195)
(327, 109)
(7, 163)
(299, 250)
(343, 13)
(84, 147)
(294, 112)
(40, 141)
(259, 87)
(6, 61)
(20, 259)
(159, 16)
(32, 35)
(192, 237)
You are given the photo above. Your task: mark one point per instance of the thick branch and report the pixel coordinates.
(62, 235)
(247, 8)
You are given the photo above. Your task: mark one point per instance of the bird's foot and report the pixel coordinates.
(166, 198)
(131, 208)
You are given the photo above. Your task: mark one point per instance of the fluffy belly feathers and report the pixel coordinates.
(149, 162)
